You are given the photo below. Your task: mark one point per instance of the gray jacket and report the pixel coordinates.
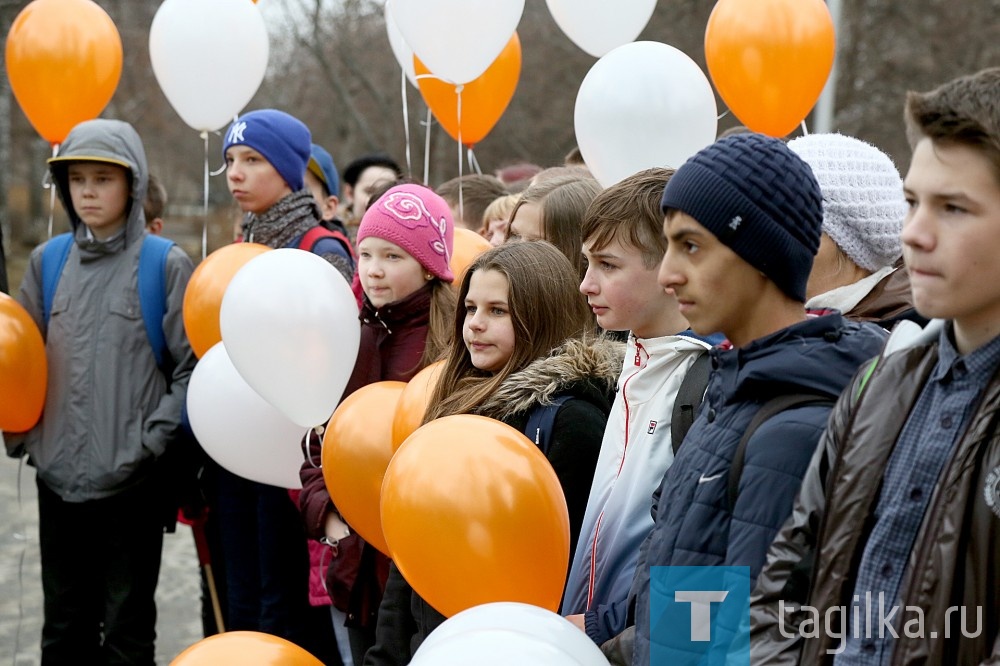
(109, 410)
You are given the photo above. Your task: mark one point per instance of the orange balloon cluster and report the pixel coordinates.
(357, 447)
(473, 513)
(207, 286)
(769, 59)
(23, 368)
(484, 99)
(64, 60)
(467, 246)
(248, 648)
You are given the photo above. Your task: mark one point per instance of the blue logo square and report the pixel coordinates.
(699, 616)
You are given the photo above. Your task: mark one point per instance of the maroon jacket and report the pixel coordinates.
(392, 344)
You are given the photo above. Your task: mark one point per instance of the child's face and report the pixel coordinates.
(625, 296)
(527, 223)
(496, 232)
(388, 273)
(253, 181)
(327, 204)
(369, 179)
(951, 236)
(488, 331)
(100, 194)
(716, 289)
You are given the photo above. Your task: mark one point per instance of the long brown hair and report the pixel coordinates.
(546, 309)
(562, 203)
(439, 332)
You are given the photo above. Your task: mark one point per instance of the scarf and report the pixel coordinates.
(283, 222)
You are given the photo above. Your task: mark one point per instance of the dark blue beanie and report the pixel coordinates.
(760, 199)
(282, 139)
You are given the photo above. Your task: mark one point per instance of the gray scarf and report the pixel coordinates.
(283, 222)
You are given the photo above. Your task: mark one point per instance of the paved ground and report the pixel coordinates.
(178, 595)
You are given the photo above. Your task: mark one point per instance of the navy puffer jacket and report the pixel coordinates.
(694, 525)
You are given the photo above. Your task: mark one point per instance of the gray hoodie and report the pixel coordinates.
(109, 410)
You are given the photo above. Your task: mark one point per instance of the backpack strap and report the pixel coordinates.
(541, 422)
(152, 284)
(313, 236)
(53, 262)
(153, 292)
(689, 398)
(770, 408)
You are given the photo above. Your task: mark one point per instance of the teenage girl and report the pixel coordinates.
(519, 344)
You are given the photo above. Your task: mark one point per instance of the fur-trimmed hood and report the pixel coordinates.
(583, 368)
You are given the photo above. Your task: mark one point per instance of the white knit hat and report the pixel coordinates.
(863, 203)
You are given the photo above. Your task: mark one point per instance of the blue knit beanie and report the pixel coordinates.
(282, 139)
(760, 199)
(321, 165)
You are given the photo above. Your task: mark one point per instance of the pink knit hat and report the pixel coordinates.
(416, 219)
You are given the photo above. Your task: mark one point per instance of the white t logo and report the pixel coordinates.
(701, 610)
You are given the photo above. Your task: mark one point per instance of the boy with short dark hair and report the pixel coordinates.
(623, 246)
(742, 223)
(904, 493)
(111, 413)
(154, 205)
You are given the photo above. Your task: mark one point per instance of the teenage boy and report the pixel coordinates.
(110, 412)
(622, 247)
(742, 223)
(904, 494)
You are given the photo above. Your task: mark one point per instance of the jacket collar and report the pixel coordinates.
(573, 363)
(409, 311)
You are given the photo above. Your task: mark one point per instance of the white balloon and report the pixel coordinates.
(494, 647)
(457, 40)
(643, 105)
(205, 82)
(290, 324)
(239, 429)
(531, 621)
(400, 49)
(597, 26)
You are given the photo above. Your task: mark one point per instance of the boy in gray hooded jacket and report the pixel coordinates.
(111, 412)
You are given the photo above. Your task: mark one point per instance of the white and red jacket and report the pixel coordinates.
(635, 453)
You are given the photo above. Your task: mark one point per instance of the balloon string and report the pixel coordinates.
(474, 163)
(805, 132)
(204, 219)
(461, 202)
(722, 115)
(427, 146)
(52, 189)
(406, 119)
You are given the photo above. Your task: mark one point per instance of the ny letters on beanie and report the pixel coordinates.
(282, 139)
(863, 202)
(760, 199)
(416, 219)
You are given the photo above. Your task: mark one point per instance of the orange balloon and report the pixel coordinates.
(484, 99)
(247, 648)
(769, 59)
(207, 286)
(468, 246)
(473, 513)
(23, 368)
(414, 401)
(357, 447)
(64, 59)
